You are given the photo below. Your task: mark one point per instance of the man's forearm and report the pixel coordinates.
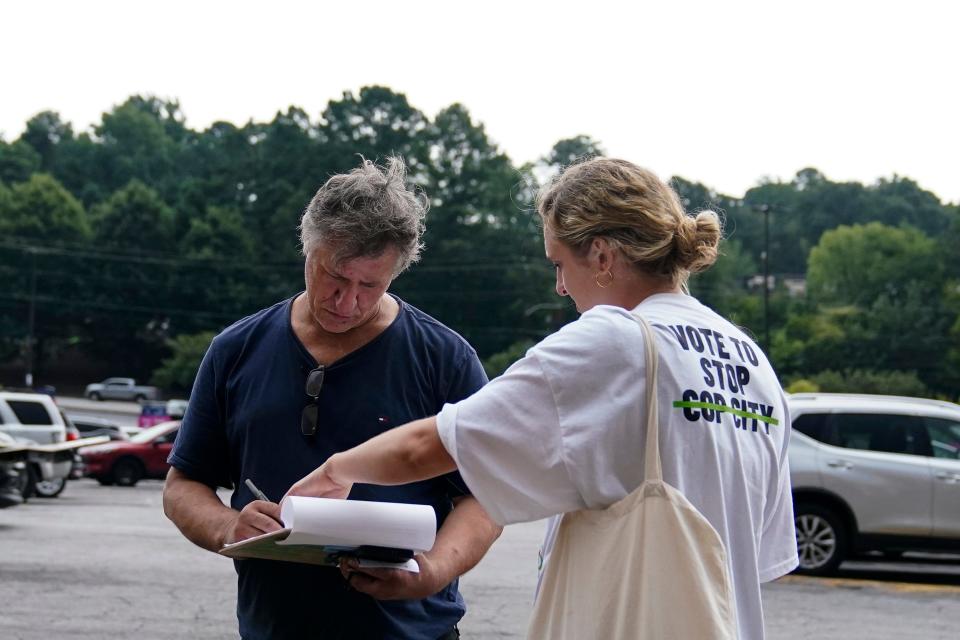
(463, 540)
(197, 511)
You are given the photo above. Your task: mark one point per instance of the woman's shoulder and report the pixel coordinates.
(601, 320)
(603, 334)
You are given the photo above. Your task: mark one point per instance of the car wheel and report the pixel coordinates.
(821, 539)
(107, 482)
(127, 472)
(25, 483)
(28, 482)
(95, 396)
(50, 488)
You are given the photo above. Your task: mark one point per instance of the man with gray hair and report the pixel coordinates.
(281, 391)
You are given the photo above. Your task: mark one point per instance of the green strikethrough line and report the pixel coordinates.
(719, 407)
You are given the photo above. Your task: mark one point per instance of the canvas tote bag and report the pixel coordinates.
(649, 566)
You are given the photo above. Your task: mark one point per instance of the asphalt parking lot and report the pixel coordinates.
(103, 562)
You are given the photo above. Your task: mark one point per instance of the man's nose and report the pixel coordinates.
(346, 299)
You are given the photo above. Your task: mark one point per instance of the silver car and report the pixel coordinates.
(873, 473)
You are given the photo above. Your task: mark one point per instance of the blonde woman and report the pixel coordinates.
(564, 429)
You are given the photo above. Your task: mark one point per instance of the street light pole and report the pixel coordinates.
(765, 209)
(30, 323)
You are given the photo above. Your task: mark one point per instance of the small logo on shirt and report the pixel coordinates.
(383, 421)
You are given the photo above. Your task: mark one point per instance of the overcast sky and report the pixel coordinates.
(725, 93)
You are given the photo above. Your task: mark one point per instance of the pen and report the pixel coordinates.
(259, 495)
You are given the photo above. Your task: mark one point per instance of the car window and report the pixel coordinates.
(29, 412)
(888, 433)
(148, 435)
(812, 424)
(944, 438)
(170, 437)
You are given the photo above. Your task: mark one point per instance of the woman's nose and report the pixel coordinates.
(561, 290)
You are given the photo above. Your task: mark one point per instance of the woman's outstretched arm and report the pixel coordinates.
(406, 454)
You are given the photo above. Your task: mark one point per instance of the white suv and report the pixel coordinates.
(873, 473)
(35, 417)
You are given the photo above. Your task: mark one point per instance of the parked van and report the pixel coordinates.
(35, 417)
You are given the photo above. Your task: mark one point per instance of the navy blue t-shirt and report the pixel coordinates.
(243, 421)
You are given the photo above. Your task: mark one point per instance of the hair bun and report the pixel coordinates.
(696, 241)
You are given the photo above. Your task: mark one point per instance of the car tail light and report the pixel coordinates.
(71, 436)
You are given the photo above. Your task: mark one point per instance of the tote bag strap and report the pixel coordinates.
(652, 469)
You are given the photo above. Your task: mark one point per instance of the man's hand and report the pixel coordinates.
(465, 536)
(394, 584)
(257, 518)
(200, 515)
(320, 484)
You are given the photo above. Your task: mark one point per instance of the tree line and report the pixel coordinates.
(133, 242)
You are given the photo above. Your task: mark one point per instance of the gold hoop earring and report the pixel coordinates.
(609, 274)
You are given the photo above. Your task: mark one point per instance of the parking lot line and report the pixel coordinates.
(852, 583)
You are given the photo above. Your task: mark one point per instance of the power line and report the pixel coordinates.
(107, 306)
(178, 260)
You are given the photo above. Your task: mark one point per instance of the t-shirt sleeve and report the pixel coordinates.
(465, 379)
(201, 451)
(507, 444)
(778, 542)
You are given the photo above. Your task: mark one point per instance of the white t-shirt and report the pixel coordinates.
(563, 429)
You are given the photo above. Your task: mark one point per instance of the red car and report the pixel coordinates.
(126, 462)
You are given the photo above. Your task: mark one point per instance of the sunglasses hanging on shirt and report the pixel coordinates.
(311, 412)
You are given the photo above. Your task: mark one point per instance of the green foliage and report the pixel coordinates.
(896, 383)
(46, 133)
(571, 150)
(41, 209)
(218, 233)
(501, 361)
(18, 161)
(134, 217)
(375, 123)
(947, 244)
(859, 264)
(178, 371)
(720, 286)
(802, 385)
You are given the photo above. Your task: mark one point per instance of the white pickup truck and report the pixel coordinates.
(120, 389)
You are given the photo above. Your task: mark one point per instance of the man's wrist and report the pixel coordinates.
(225, 533)
(441, 571)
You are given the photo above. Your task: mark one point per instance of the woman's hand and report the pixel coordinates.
(320, 483)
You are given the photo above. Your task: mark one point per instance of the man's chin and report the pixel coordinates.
(335, 324)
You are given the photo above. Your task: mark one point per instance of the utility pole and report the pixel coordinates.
(30, 323)
(765, 209)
